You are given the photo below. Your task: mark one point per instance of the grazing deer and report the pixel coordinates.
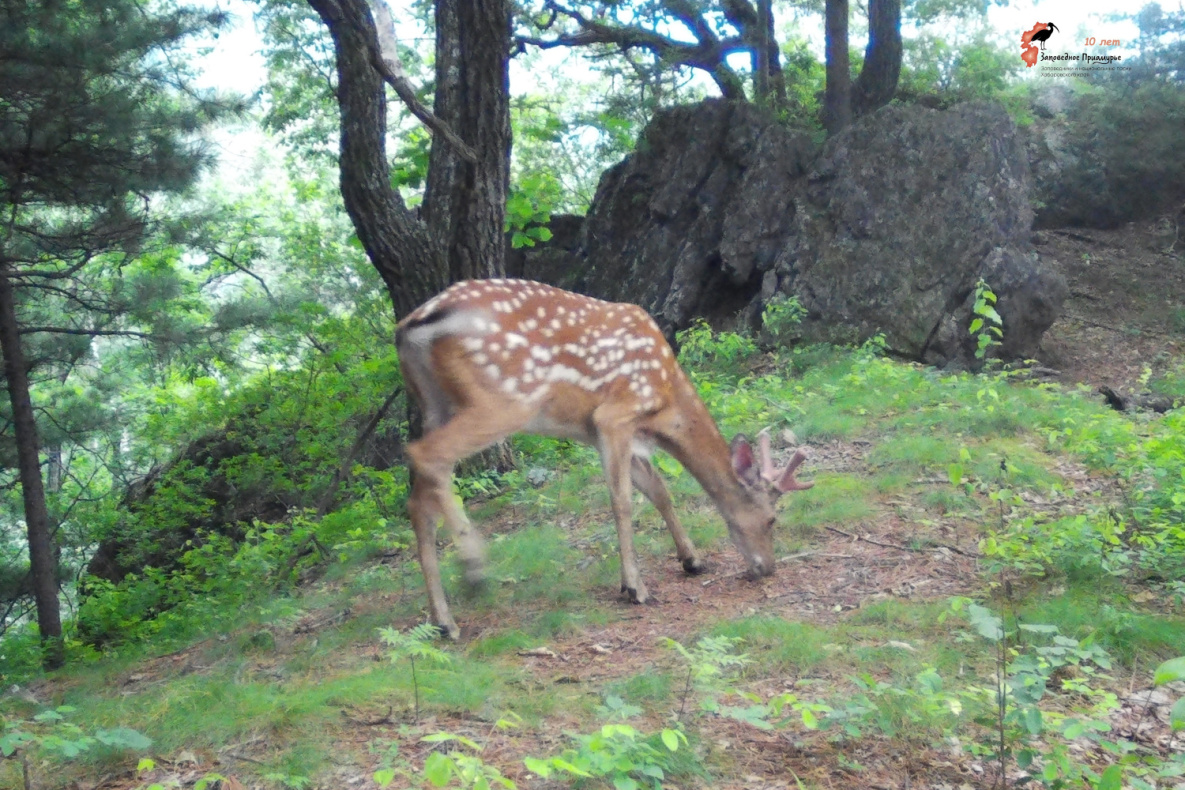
(488, 358)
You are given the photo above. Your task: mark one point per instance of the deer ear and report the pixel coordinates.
(743, 461)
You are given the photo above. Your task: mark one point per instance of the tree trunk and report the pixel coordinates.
(411, 262)
(837, 102)
(42, 558)
(464, 203)
(773, 55)
(877, 82)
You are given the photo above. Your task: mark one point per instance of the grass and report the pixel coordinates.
(835, 499)
(776, 644)
(890, 432)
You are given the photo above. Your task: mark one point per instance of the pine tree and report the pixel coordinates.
(95, 126)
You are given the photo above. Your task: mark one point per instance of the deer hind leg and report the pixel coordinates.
(647, 480)
(614, 430)
(432, 459)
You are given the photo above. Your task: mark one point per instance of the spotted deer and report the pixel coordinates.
(489, 358)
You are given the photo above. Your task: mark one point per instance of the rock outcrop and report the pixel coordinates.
(886, 229)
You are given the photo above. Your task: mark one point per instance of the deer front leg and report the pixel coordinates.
(647, 480)
(614, 437)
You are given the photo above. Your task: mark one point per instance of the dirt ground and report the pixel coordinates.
(1126, 309)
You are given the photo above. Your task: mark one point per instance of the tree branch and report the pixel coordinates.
(707, 54)
(61, 330)
(386, 62)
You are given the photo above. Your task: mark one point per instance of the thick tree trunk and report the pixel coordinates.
(877, 82)
(837, 102)
(411, 262)
(42, 558)
(464, 203)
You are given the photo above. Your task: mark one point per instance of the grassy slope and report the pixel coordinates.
(301, 688)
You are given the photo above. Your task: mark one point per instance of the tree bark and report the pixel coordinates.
(465, 203)
(877, 82)
(837, 102)
(42, 558)
(411, 262)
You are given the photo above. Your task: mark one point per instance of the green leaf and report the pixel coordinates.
(564, 765)
(438, 769)
(1073, 729)
(976, 325)
(124, 738)
(955, 473)
(537, 766)
(384, 777)
(1171, 670)
(1111, 779)
(623, 782)
(1034, 722)
(809, 719)
(1177, 715)
(670, 739)
(145, 764)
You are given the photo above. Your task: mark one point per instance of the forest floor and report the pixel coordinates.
(1126, 310)
(301, 693)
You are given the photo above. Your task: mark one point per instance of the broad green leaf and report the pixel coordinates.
(1177, 715)
(623, 782)
(1173, 669)
(438, 769)
(809, 719)
(123, 737)
(384, 777)
(537, 766)
(1034, 722)
(1111, 779)
(564, 765)
(670, 740)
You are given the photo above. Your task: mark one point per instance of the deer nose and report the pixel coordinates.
(762, 566)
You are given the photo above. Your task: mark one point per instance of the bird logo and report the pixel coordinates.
(1039, 33)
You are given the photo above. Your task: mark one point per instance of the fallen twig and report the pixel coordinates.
(936, 547)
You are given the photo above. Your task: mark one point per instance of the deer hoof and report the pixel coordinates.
(449, 631)
(694, 566)
(636, 594)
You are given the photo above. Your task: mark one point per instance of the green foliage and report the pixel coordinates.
(699, 346)
(1172, 671)
(529, 207)
(782, 319)
(50, 735)
(416, 643)
(987, 326)
(618, 753)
